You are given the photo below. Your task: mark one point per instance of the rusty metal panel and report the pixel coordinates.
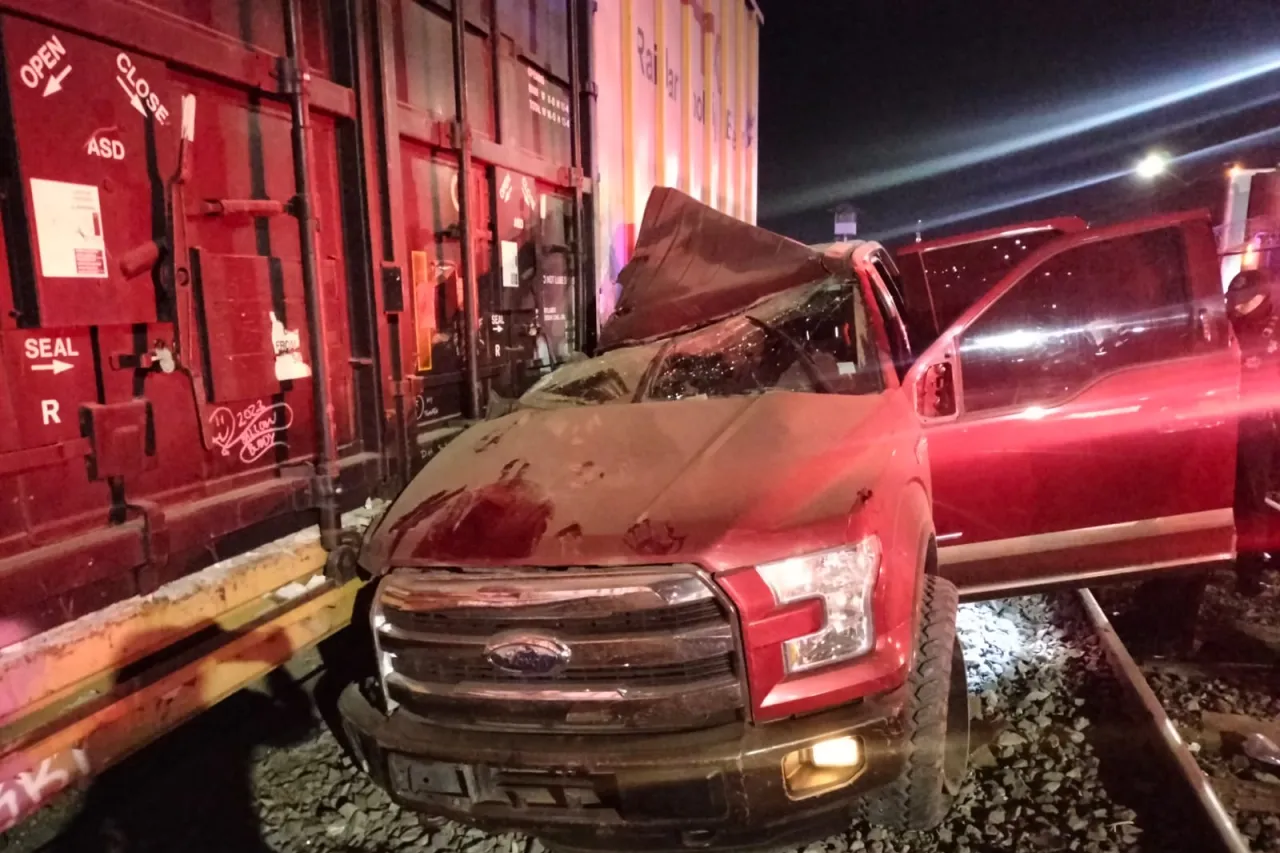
(154, 330)
(121, 438)
(539, 31)
(95, 134)
(536, 111)
(50, 373)
(36, 767)
(259, 24)
(248, 301)
(424, 65)
(46, 668)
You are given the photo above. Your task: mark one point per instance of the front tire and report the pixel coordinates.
(937, 721)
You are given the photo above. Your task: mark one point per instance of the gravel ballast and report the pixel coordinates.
(260, 772)
(1252, 691)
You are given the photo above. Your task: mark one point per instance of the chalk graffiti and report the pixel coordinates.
(252, 431)
(27, 790)
(424, 409)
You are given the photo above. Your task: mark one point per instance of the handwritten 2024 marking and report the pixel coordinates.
(252, 431)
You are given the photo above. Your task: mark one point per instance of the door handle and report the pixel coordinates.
(1204, 326)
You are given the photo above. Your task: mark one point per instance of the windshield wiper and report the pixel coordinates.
(811, 370)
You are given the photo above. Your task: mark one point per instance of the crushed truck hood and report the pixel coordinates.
(693, 265)
(711, 481)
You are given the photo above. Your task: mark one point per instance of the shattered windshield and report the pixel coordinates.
(815, 338)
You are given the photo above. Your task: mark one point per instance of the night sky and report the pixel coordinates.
(940, 110)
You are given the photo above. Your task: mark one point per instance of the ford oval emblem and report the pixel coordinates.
(523, 653)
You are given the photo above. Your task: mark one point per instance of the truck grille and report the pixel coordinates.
(477, 622)
(577, 650)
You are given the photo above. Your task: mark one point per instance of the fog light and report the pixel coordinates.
(836, 752)
(822, 767)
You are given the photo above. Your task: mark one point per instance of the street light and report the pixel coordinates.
(1152, 166)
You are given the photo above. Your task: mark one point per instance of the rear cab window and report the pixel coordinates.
(1088, 312)
(939, 284)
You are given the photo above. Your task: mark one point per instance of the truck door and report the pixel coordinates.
(1081, 417)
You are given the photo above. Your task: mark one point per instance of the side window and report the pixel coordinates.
(1084, 313)
(958, 276)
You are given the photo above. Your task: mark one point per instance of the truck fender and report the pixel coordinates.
(914, 522)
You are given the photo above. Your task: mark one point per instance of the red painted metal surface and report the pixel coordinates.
(521, 222)
(611, 473)
(619, 485)
(96, 136)
(155, 357)
(1149, 443)
(896, 509)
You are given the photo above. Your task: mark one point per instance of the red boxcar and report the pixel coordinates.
(204, 225)
(237, 285)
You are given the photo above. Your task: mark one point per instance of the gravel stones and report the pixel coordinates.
(1035, 780)
(1186, 696)
(1010, 739)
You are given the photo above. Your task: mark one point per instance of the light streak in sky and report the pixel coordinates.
(1024, 133)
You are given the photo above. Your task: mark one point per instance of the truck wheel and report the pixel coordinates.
(937, 722)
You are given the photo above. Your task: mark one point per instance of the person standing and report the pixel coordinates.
(1251, 310)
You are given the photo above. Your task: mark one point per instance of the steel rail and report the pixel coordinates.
(1187, 772)
(42, 763)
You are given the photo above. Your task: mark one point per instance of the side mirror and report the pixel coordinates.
(936, 391)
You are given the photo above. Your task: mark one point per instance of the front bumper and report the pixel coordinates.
(720, 788)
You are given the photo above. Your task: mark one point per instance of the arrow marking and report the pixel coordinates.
(55, 81)
(54, 366)
(133, 97)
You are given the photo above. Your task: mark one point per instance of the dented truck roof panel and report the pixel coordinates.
(694, 265)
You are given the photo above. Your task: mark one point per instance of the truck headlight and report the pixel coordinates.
(843, 581)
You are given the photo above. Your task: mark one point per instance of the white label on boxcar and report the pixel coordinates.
(287, 344)
(510, 263)
(69, 229)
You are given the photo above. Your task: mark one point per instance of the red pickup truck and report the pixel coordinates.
(699, 591)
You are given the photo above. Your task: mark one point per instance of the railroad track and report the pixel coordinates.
(1196, 787)
(1221, 692)
(1057, 766)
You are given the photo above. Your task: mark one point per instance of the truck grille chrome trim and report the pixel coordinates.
(650, 649)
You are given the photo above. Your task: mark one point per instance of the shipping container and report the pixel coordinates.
(245, 284)
(678, 107)
(1249, 236)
